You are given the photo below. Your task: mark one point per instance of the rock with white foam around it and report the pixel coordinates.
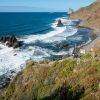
(4, 81)
(62, 45)
(60, 24)
(11, 41)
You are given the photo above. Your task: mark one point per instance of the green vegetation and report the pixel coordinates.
(62, 80)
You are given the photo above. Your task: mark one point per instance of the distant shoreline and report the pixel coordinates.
(95, 38)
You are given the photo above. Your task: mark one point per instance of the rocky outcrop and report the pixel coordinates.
(90, 16)
(11, 41)
(62, 45)
(59, 24)
(4, 81)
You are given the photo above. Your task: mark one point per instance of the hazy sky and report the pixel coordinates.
(43, 5)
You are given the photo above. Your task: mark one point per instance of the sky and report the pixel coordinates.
(42, 5)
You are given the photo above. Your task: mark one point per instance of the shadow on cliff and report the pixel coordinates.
(65, 93)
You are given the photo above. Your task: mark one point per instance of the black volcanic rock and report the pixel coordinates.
(9, 44)
(11, 41)
(60, 24)
(4, 81)
(1, 39)
(17, 44)
(62, 45)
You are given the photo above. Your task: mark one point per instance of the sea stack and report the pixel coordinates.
(60, 24)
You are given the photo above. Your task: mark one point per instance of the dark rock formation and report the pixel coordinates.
(60, 24)
(17, 44)
(11, 41)
(62, 45)
(4, 81)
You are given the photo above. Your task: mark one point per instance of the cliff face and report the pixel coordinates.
(90, 16)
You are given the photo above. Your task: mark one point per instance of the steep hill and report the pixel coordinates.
(61, 80)
(90, 15)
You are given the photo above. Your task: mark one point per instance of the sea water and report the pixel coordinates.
(41, 38)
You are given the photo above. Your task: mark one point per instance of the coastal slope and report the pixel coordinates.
(60, 80)
(89, 15)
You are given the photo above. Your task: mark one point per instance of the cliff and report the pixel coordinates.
(89, 15)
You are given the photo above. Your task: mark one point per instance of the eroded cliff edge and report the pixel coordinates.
(89, 15)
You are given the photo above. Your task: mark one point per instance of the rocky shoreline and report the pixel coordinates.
(90, 17)
(11, 41)
(95, 36)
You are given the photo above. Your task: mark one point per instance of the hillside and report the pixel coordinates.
(90, 16)
(60, 80)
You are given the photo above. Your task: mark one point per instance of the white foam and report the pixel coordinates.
(57, 32)
(14, 59)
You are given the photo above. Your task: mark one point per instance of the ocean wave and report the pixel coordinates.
(15, 59)
(64, 31)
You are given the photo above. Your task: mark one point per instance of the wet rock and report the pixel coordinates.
(17, 44)
(9, 44)
(3, 39)
(60, 24)
(62, 45)
(4, 81)
(11, 41)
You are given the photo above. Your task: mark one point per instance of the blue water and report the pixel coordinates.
(27, 23)
(41, 38)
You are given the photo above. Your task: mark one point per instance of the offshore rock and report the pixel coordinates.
(60, 24)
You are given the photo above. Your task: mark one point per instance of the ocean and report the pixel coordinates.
(27, 23)
(42, 40)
